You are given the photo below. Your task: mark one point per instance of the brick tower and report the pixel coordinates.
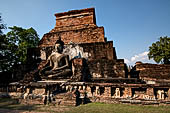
(79, 27)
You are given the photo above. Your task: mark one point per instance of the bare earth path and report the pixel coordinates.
(39, 109)
(18, 111)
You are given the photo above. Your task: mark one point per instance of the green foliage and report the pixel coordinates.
(2, 25)
(13, 46)
(160, 50)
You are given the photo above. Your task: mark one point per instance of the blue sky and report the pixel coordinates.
(133, 25)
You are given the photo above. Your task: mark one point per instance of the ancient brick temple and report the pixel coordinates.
(96, 73)
(79, 27)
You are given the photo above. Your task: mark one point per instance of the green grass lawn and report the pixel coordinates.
(118, 108)
(88, 108)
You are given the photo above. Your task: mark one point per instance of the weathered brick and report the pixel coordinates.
(153, 71)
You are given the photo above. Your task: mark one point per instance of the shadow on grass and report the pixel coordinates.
(13, 104)
(8, 105)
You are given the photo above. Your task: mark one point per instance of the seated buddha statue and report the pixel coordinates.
(57, 65)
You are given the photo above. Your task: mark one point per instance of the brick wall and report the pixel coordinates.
(101, 50)
(77, 26)
(98, 50)
(153, 71)
(76, 17)
(87, 35)
(104, 68)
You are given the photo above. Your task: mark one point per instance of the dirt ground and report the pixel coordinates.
(45, 109)
(17, 111)
(8, 105)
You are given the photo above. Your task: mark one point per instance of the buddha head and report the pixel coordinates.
(59, 45)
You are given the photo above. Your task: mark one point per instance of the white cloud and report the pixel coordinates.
(143, 57)
(139, 57)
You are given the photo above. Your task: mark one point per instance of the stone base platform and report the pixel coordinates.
(63, 92)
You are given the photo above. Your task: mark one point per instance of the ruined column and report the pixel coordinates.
(127, 92)
(161, 94)
(97, 91)
(84, 87)
(168, 94)
(88, 91)
(26, 93)
(27, 90)
(150, 93)
(117, 93)
(71, 88)
(75, 87)
(67, 88)
(80, 87)
(107, 92)
(63, 87)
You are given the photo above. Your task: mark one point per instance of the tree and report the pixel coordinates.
(2, 25)
(3, 46)
(160, 50)
(14, 45)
